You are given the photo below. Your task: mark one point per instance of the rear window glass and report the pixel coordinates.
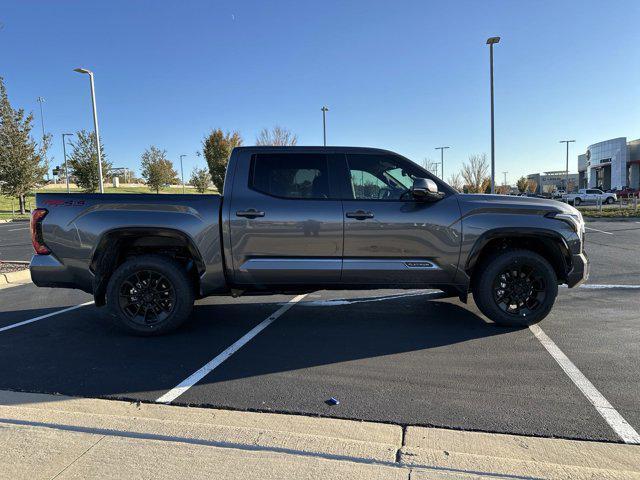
(296, 176)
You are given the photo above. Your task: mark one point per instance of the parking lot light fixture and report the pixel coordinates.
(442, 149)
(95, 122)
(182, 172)
(566, 172)
(324, 124)
(64, 152)
(491, 41)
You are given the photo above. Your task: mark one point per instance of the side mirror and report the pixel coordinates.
(426, 190)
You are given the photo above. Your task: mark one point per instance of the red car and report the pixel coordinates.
(628, 192)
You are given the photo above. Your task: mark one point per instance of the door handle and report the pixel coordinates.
(250, 213)
(359, 215)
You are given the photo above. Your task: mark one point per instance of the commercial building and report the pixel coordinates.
(611, 164)
(549, 182)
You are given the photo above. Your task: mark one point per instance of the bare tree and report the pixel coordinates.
(455, 182)
(532, 185)
(474, 173)
(277, 136)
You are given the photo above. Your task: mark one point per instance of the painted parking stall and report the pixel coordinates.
(406, 357)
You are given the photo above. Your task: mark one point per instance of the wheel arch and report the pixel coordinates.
(114, 246)
(547, 243)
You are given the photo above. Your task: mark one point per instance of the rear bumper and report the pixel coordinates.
(579, 272)
(47, 271)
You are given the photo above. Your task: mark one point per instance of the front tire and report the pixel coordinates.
(515, 288)
(577, 202)
(610, 200)
(150, 295)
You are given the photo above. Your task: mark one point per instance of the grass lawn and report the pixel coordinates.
(8, 206)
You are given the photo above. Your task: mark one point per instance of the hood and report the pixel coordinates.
(475, 202)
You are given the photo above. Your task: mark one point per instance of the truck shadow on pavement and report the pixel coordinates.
(81, 353)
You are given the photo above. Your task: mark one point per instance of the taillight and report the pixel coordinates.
(36, 231)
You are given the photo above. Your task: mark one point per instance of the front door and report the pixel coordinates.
(389, 237)
(286, 224)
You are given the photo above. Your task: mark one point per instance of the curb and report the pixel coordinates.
(15, 278)
(12, 220)
(164, 441)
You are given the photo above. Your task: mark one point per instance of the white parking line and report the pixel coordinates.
(42, 317)
(596, 286)
(199, 374)
(16, 229)
(599, 231)
(619, 425)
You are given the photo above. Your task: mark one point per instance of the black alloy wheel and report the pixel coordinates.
(147, 297)
(519, 289)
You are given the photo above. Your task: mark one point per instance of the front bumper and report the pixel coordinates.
(579, 272)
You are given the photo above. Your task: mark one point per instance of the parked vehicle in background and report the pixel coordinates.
(300, 219)
(558, 193)
(628, 192)
(590, 195)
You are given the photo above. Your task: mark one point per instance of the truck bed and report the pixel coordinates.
(78, 225)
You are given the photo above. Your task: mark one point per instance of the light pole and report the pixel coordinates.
(324, 124)
(442, 149)
(95, 122)
(491, 41)
(566, 172)
(41, 100)
(64, 152)
(182, 172)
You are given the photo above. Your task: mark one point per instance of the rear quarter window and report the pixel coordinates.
(291, 175)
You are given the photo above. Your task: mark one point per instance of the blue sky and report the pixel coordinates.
(407, 76)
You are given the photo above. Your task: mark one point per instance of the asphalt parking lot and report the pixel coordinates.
(406, 357)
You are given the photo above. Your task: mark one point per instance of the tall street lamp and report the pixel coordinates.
(41, 100)
(442, 149)
(95, 122)
(566, 172)
(491, 41)
(64, 152)
(324, 124)
(182, 172)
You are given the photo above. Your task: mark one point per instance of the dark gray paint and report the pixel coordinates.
(299, 244)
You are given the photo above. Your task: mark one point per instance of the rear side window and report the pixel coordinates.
(287, 175)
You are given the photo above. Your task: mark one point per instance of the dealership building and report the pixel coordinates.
(549, 182)
(611, 164)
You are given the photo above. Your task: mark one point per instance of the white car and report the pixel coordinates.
(590, 195)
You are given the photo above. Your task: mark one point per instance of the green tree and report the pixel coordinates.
(157, 169)
(200, 179)
(522, 184)
(83, 161)
(217, 147)
(22, 163)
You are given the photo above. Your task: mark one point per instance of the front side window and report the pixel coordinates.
(381, 177)
(296, 176)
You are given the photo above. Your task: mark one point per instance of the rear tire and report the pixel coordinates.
(576, 201)
(515, 288)
(150, 295)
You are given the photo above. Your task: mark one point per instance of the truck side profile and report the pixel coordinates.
(299, 219)
(593, 195)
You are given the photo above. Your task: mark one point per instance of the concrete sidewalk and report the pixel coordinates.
(48, 436)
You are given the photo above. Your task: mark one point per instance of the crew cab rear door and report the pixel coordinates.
(390, 238)
(285, 221)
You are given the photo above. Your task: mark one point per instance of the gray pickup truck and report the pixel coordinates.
(299, 219)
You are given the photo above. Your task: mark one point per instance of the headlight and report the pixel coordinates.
(574, 219)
